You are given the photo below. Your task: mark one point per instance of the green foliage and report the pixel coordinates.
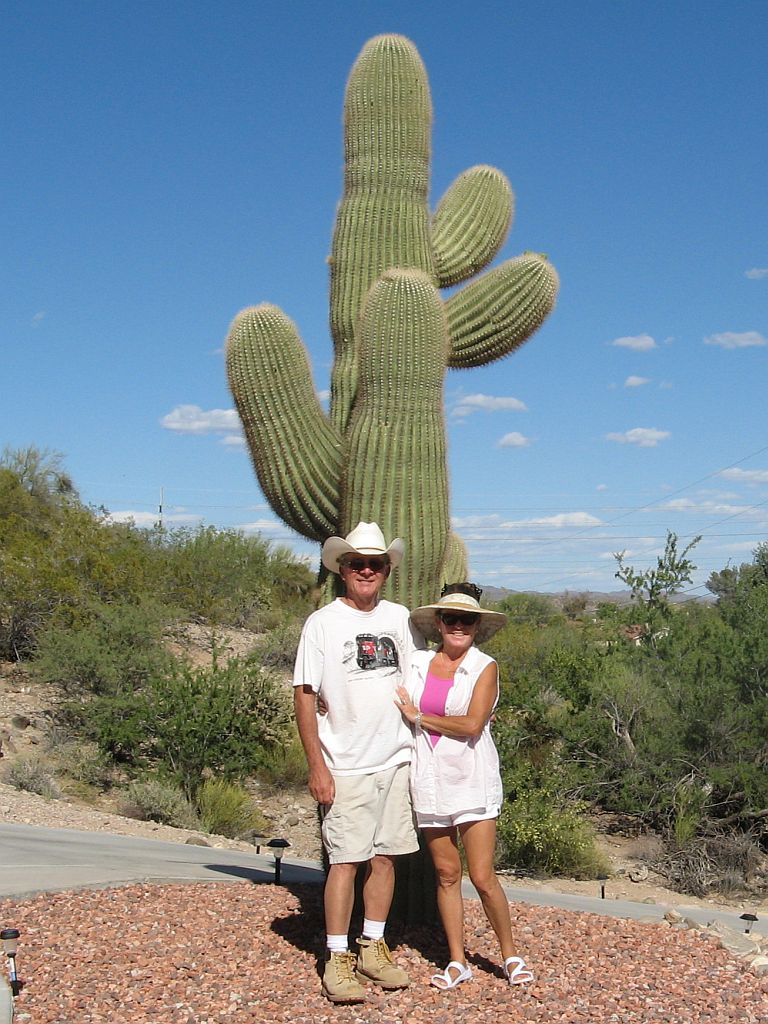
(529, 609)
(117, 648)
(31, 775)
(227, 809)
(83, 763)
(225, 720)
(539, 831)
(279, 647)
(652, 588)
(153, 799)
(286, 764)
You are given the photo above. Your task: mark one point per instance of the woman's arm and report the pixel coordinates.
(460, 727)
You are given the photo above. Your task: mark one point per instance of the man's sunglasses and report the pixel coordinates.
(358, 564)
(465, 618)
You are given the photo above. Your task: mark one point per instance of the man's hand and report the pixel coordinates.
(321, 785)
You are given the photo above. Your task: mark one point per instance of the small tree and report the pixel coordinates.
(653, 588)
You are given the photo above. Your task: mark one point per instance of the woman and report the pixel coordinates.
(455, 779)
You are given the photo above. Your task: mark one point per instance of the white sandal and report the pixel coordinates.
(445, 981)
(517, 971)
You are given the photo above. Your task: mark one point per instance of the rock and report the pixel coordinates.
(20, 722)
(693, 925)
(638, 874)
(737, 944)
(292, 819)
(759, 964)
(196, 841)
(673, 916)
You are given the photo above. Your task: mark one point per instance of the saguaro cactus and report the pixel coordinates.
(381, 454)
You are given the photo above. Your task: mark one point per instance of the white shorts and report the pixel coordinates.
(370, 815)
(452, 820)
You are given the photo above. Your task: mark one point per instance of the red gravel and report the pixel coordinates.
(242, 954)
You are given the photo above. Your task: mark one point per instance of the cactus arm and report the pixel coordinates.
(494, 315)
(383, 218)
(471, 223)
(295, 451)
(396, 465)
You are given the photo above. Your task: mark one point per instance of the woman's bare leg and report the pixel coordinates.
(479, 840)
(443, 847)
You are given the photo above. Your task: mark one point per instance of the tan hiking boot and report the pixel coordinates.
(339, 983)
(374, 963)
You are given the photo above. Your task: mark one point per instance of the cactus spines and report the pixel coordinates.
(381, 454)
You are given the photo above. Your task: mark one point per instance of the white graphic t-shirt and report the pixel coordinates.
(356, 660)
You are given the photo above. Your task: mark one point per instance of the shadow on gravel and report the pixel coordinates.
(304, 929)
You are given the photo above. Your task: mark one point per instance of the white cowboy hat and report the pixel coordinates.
(365, 539)
(425, 618)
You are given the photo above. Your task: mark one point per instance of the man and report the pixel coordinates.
(353, 655)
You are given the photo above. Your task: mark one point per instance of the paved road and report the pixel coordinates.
(36, 860)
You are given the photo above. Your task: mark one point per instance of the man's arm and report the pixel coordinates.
(321, 784)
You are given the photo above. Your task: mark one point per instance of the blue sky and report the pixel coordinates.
(167, 164)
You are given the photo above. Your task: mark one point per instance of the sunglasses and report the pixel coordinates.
(358, 564)
(465, 618)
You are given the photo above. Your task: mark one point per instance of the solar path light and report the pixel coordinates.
(10, 940)
(749, 920)
(278, 847)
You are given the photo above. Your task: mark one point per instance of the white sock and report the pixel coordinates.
(373, 929)
(337, 943)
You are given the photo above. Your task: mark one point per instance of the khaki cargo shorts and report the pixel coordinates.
(370, 815)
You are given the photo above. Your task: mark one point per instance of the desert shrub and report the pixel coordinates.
(227, 809)
(722, 862)
(538, 832)
(83, 762)
(286, 765)
(153, 799)
(226, 720)
(117, 649)
(31, 775)
(279, 647)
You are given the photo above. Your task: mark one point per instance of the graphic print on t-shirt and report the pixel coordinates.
(368, 652)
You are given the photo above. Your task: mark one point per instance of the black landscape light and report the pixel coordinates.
(602, 879)
(749, 919)
(278, 848)
(10, 940)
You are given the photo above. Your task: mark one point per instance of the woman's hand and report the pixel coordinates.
(405, 705)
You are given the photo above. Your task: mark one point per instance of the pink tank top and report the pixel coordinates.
(433, 700)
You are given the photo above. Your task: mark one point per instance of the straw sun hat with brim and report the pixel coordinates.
(425, 618)
(365, 539)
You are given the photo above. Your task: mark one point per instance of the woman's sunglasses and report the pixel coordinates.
(465, 618)
(358, 564)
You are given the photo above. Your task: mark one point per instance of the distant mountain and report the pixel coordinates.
(594, 597)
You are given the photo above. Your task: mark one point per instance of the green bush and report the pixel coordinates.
(540, 833)
(152, 799)
(224, 719)
(32, 776)
(83, 762)
(227, 809)
(286, 765)
(279, 647)
(118, 648)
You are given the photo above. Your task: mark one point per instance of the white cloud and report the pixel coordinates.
(730, 339)
(756, 273)
(191, 419)
(563, 520)
(636, 382)
(233, 441)
(143, 519)
(513, 440)
(468, 404)
(748, 476)
(637, 342)
(38, 318)
(712, 508)
(644, 437)
(323, 396)
(602, 487)
(473, 522)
